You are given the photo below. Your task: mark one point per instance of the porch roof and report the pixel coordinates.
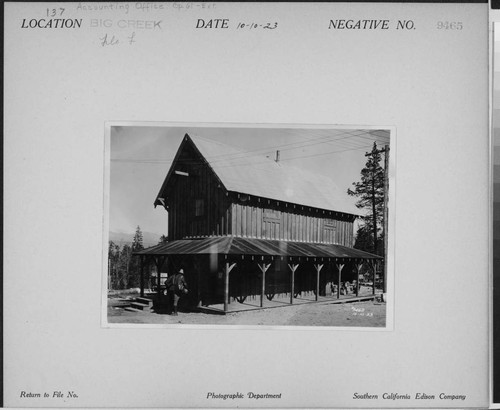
(231, 245)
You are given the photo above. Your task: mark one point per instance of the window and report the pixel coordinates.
(199, 207)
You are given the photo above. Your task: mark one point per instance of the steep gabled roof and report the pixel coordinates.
(259, 176)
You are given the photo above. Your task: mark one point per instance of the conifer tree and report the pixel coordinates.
(137, 245)
(134, 271)
(370, 193)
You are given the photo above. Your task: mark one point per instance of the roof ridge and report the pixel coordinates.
(255, 174)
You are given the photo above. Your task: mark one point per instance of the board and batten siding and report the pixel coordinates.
(257, 222)
(198, 206)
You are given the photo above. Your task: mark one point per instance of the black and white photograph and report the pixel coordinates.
(247, 205)
(281, 226)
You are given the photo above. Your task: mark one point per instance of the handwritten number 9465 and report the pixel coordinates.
(55, 12)
(449, 25)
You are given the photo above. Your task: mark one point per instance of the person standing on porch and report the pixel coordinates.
(178, 288)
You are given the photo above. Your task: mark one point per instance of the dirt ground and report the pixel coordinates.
(357, 314)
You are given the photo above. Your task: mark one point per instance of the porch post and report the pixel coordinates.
(158, 277)
(227, 269)
(373, 265)
(263, 269)
(318, 270)
(293, 269)
(358, 269)
(340, 266)
(142, 257)
(159, 262)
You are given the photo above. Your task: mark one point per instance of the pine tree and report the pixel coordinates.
(134, 273)
(137, 245)
(163, 239)
(113, 257)
(123, 268)
(370, 191)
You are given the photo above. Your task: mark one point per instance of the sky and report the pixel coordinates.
(140, 157)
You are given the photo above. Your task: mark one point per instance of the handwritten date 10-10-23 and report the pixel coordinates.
(249, 26)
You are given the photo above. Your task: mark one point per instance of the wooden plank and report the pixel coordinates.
(349, 230)
(280, 234)
(227, 270)
(306, 228)
(241, 219)
(243, 222)
(293, 268)
(233, 219)
(300, 228)
(339, 267)
(318, 270)
(254, 221)
(346, 233)
(295, 225)
(318, 232)
(311, 229)
(248, 227)
(263, 269)
(238, 219)
(358, 270)
(142, 275)
(285, 225)
(259, 222)
(374, 266)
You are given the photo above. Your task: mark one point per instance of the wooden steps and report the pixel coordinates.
(139, 304)
(143, 304)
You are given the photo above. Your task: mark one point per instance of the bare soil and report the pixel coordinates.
(356, 314)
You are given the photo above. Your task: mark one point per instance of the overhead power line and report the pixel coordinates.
(348, 143)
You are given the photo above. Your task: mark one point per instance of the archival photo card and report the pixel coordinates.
(247, 205)
(247, 225)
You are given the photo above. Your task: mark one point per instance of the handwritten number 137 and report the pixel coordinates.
(55, 12)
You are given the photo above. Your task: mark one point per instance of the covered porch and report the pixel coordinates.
(229, 274)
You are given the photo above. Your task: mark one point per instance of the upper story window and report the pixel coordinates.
(199, 207)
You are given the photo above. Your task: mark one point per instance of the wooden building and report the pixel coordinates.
(240, 225)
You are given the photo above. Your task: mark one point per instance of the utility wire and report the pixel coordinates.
(295, 145)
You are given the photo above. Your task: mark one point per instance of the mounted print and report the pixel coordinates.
(278, 226)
